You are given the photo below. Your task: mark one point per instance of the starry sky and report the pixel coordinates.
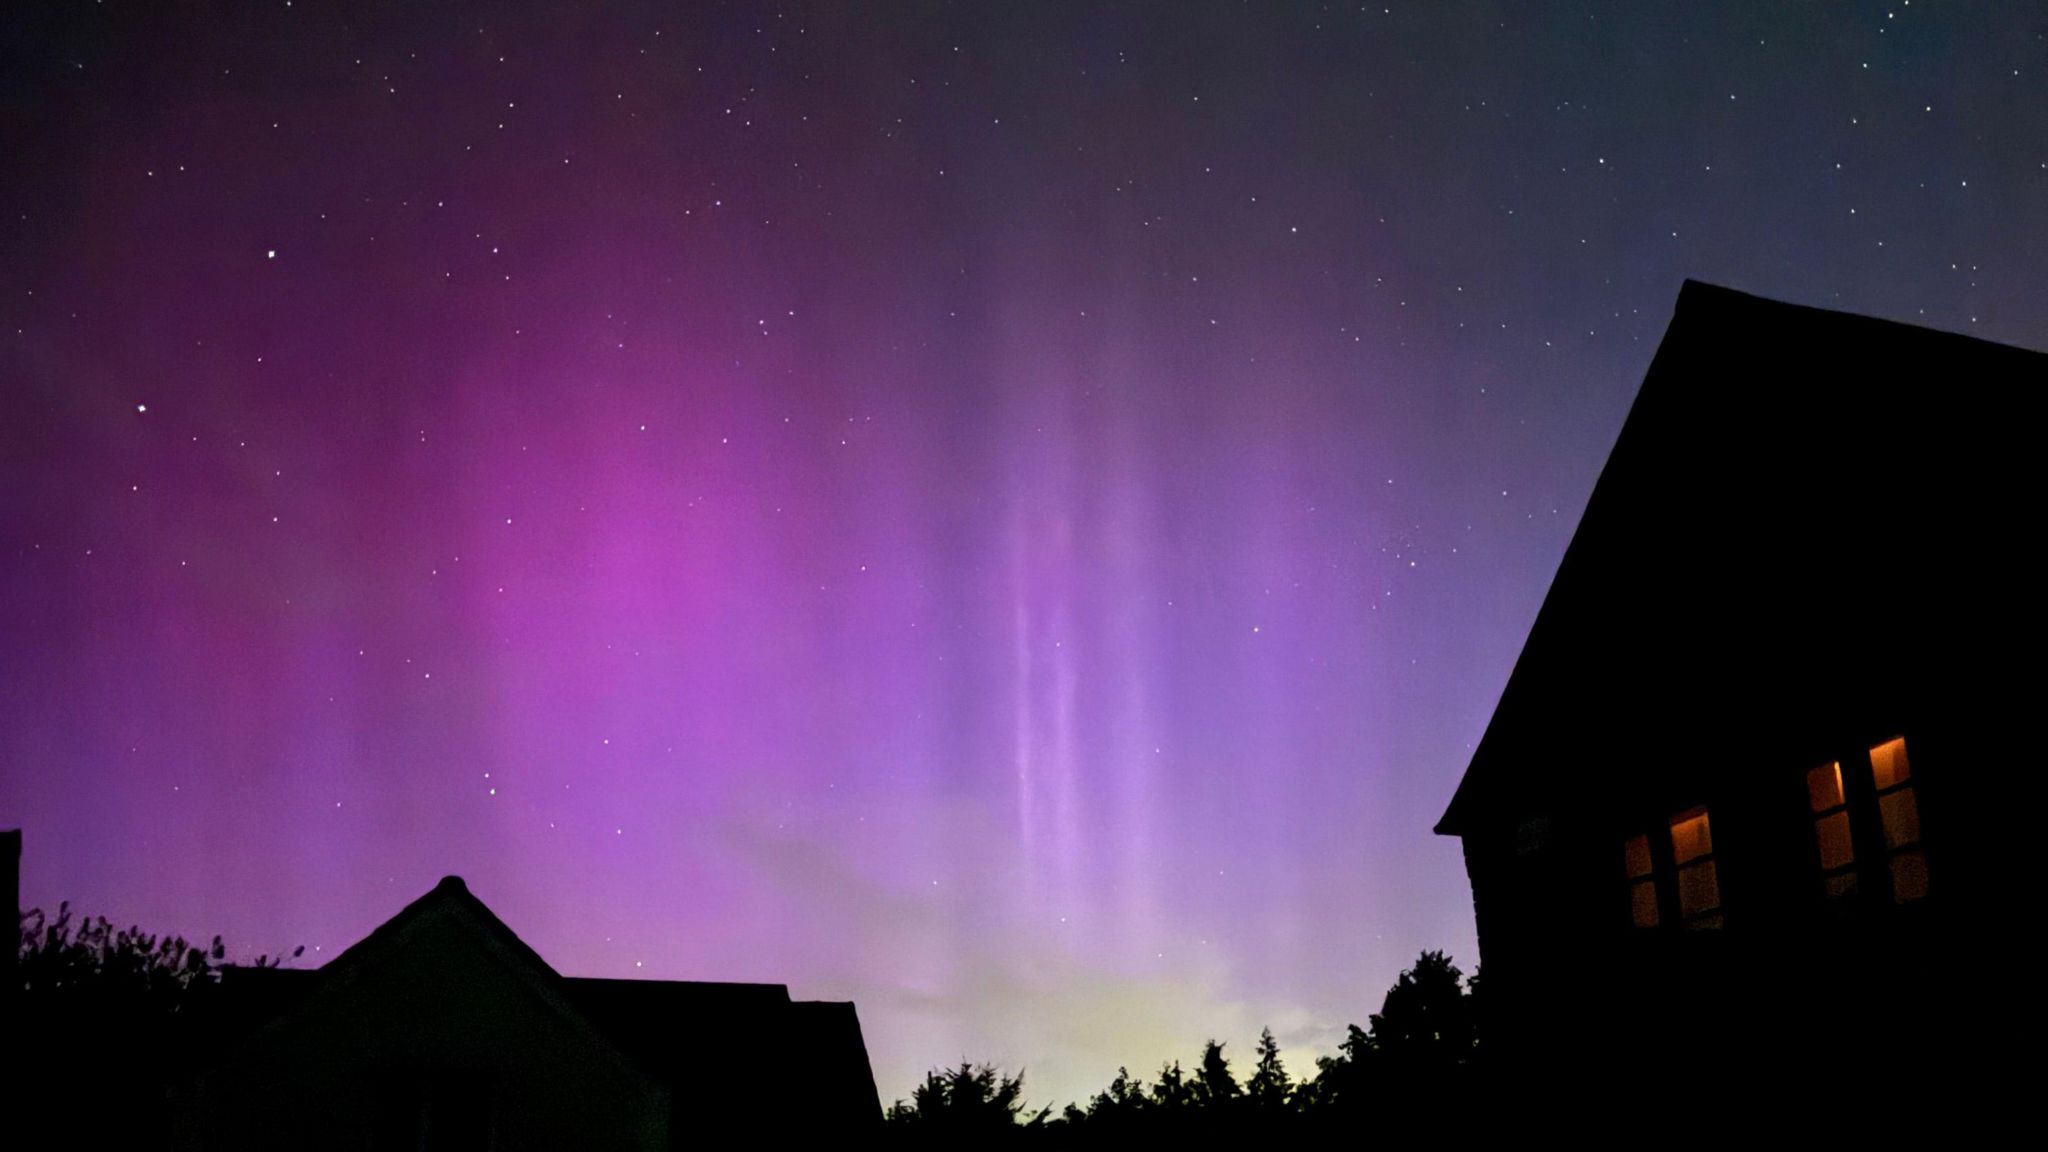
(1014, 514)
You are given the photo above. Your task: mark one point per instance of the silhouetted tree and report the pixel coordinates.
(1123, 1092)
(1117, 1108)
(1269, 1090)
(1340, 1079)
(1172, 1092)
(116, 1015)
(1410, 1071)
(1409, 1074)
(968, 1102)
(1214, 1086)
(1426, 1021)
(91, 959)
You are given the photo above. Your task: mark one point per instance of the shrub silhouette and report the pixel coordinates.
(108, 1018)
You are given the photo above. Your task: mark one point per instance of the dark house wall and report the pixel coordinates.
(826, 1035)
(1803, 545)
(727, 1052)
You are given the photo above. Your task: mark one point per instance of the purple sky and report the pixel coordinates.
(1011, 514)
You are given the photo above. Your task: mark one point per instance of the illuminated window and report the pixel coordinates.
(1831, 830)
(1699, 888)
(1679, 890)
(1642, 883)
(1899, 815)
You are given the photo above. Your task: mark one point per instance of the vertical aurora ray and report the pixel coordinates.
(1011, 514)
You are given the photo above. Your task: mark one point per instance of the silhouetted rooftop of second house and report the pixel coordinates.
(704, 1039)
(1787, 487)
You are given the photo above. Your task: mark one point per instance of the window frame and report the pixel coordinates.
(1851, 869)
(1905, 786)
(1874, 863)
(1666, 874)
(1711, 916)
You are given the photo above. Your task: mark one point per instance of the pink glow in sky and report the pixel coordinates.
(1012, 514)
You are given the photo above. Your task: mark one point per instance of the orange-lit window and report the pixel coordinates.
(1831, 830)
(1899, 814)
(1642, 883)
(1699, 887)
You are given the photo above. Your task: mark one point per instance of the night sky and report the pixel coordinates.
(1013, 514)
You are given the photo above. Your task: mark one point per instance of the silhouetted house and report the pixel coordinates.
(1747, 813)
(441, 1029)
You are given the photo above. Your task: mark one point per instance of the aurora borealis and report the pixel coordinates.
(1011, 514)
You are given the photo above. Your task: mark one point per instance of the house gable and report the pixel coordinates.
(1753, 562)
(443, 1008)
(1755, 773)
(439, 1017)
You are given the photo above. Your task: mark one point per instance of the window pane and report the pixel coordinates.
(1698, 889)
(1840, 886)
(1835, 847)
(1690, 836)
(1713, 921)
(1638, 856)
(1909, 875)
(1642, 900)
(1888, 763)
(1901, 818)
(1824, 787)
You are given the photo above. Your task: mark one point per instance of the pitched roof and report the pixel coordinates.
(1769, 501)
(449, 900)
(713, 1039)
